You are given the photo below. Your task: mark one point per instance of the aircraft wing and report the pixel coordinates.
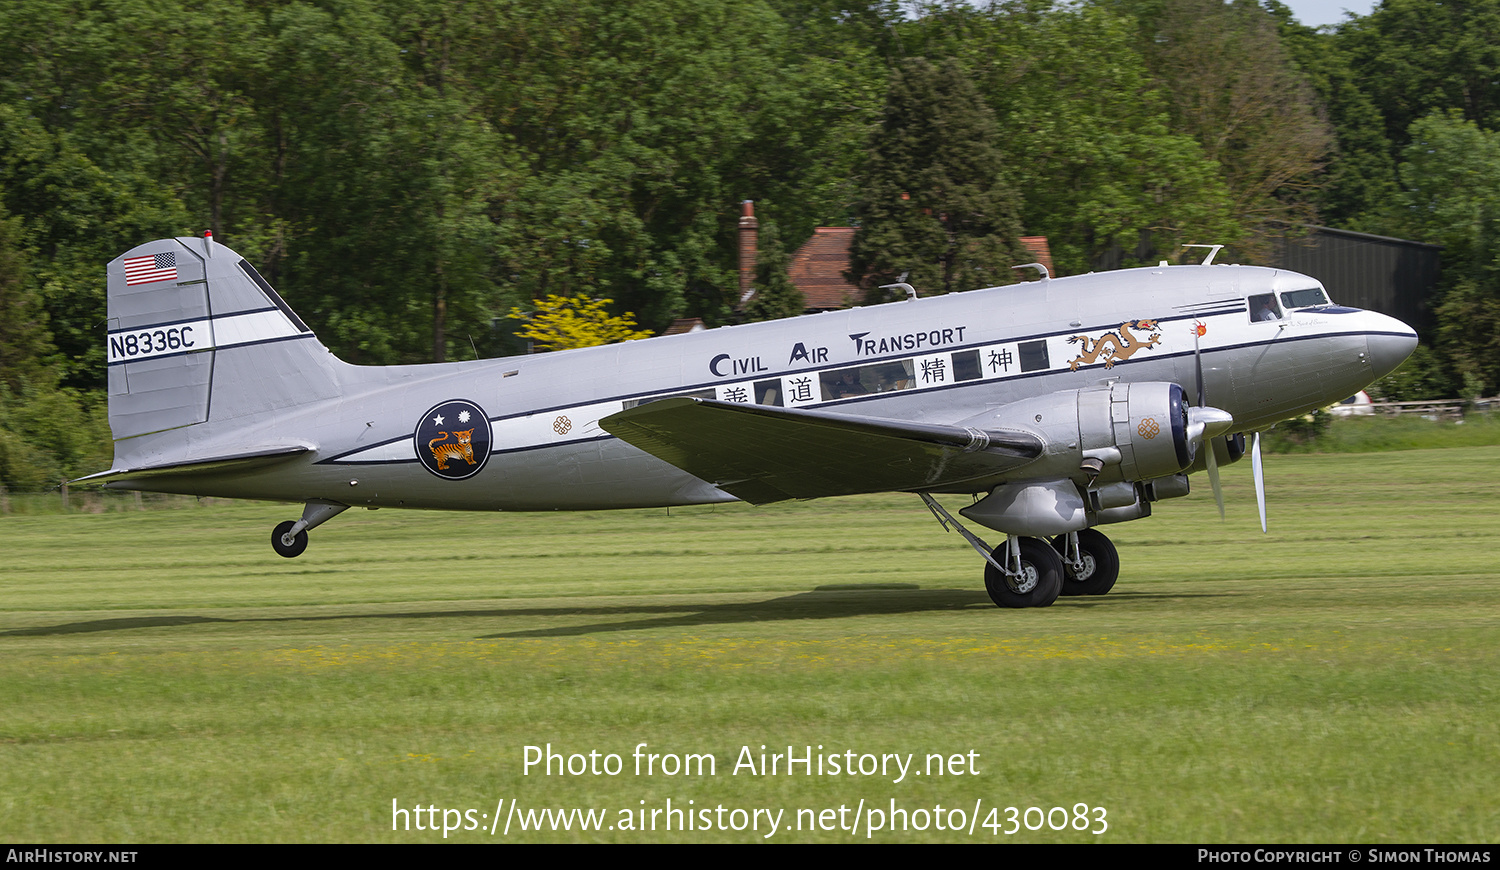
(762, 454)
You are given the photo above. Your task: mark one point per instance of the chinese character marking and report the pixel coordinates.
(1001, 360)
(801, 390)
(933, 371)
(736, 394)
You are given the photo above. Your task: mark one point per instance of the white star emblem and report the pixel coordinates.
(463, 416)
(438, 420)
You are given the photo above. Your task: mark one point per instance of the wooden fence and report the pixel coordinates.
(1436, 409)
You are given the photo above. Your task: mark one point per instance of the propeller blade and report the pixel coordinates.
(1198, 362)
(1213, 477)
(1207, 423)
(1260, 479)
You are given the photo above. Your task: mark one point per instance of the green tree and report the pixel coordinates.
(1231, 86)
(935, 206)
(775, 294)
(47, 432)
(810, 132)
(392, 180)
(636, 126)
(26, 348)
(1451, 196)
(1418, 56)
(1358, 181)
(75, 216)
(1087, 135)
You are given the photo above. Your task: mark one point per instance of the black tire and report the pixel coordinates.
(1101, 564)
(1041, 576)
(293, 550)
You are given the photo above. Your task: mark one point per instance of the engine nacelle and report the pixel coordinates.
(1147, 423)
(1117, 432)
(1101, 442)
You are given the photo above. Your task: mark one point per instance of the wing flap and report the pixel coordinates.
(763, 454)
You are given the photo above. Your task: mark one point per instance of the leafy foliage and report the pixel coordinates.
(565, 322)
(1230, 85)
(1451, 196)
(936, 207)
(47, 432)
(1091, 146)
(406, 175)
(775, 294)
(1421, 377)
(1420, 56)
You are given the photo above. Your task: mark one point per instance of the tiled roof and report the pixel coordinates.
(1038, 247)
(818, 267)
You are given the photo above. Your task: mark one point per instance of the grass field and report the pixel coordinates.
(165, 677)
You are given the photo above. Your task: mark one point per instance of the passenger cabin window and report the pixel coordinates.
(1312, 297)
(843, 384)
(1263, 308)
(864, 380)
(966, 366)
(1034, 355)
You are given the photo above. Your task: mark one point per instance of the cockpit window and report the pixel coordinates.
(1263, 307)
(1312, 297)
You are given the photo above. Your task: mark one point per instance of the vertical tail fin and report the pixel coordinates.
(197, 336)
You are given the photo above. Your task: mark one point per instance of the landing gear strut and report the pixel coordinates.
(289, 539)
(1022, 572)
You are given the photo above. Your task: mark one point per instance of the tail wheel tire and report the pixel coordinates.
(279, 540)
(1101, 564)
(1040, 580)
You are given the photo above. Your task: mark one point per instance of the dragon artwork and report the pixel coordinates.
(1113, 346)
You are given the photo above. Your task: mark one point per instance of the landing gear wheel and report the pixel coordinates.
(279, 540)
(1101, 564)
(1040, 581)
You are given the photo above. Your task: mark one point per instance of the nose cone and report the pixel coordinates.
(1389, 348)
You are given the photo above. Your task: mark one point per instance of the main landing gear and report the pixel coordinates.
(1090, 563)
(289, 539)
(1030, 572)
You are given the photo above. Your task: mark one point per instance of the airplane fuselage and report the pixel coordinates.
(379, 435)
(1069, 404)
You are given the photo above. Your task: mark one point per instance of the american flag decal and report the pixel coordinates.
(151, 268)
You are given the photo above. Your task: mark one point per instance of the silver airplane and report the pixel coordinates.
(1060, 405)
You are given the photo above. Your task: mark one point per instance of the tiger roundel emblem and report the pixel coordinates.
(453, 439)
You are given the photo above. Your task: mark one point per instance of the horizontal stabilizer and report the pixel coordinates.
(237, 462)
(763, 454)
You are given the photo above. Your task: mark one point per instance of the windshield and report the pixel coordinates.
(1312, 297)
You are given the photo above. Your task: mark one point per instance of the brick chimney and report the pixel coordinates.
(749, 239)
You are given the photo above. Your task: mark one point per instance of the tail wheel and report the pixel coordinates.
(284, 545)
(1039, 582)
(1101, 564)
